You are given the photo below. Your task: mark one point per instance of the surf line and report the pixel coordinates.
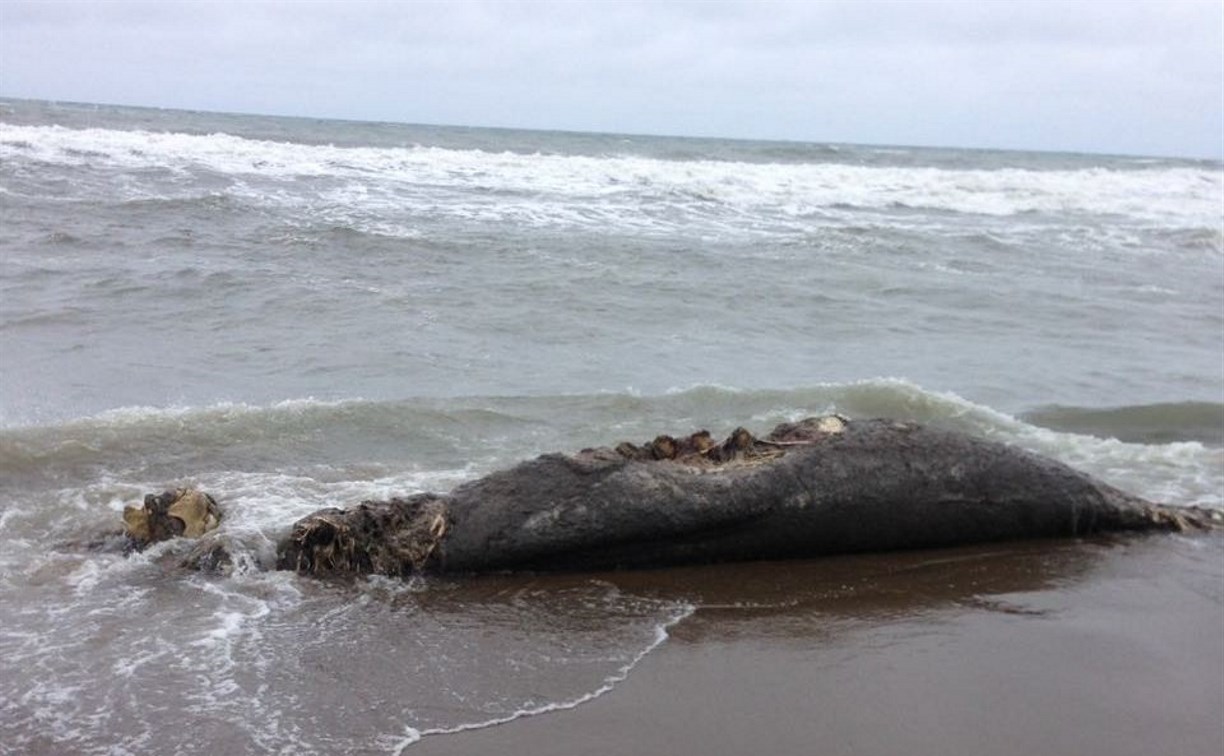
(413, 735)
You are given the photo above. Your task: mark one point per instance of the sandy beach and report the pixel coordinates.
(1105, 647)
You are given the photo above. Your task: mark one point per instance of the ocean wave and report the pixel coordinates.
(465, 180)
(1172, 449)
(229, 423)
(148, 443)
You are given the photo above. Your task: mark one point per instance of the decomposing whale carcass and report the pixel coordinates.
(821, 486)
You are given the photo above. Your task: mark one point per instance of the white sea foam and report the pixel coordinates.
(1178, 473)
(134, 415)
(259, 502)
(544, 190)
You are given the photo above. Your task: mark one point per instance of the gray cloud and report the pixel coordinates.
(1141, 77)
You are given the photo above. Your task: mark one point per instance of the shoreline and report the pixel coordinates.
(1096, 647)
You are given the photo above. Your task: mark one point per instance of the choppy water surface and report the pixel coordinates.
(294, 314)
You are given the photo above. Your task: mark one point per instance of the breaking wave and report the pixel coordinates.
(542, 188)
(1172, 451)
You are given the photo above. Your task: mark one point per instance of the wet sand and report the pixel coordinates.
(1112, 647)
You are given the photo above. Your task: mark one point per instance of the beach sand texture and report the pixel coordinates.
(1028, 648)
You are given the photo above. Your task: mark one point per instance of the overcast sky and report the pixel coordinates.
(1127, 76)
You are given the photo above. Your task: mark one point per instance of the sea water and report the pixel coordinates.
(294, 313)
